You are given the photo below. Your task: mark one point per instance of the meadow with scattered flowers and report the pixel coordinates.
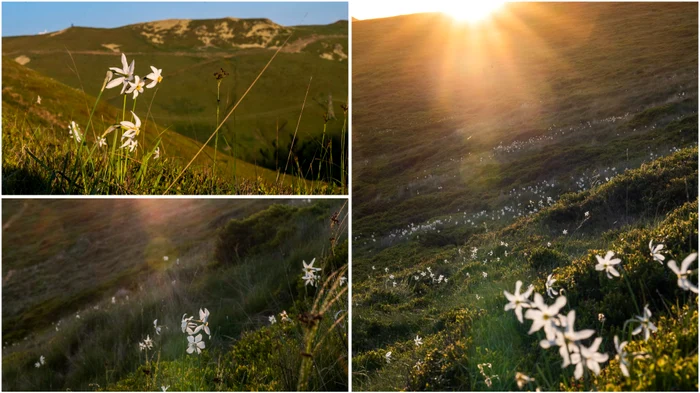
(81, 120)
(537, 234)
(179, 299)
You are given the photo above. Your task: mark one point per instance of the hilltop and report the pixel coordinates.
(190, 52)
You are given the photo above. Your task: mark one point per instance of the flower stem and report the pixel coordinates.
(216, 141)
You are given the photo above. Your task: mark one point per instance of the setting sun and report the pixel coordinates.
(472, 11)
(468, 11)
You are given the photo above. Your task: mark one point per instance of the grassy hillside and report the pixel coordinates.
(433, 100)
(30, 128)
(83, 284)
(190, 52)
(511, 151)
(461, 320)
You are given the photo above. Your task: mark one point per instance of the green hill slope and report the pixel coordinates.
(42, 130)
(190, 52)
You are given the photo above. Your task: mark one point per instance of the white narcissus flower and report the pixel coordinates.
(42, 360)
(683, 273)
(136, 87)
(607, 264)
(195, 343)
(272, 319)
(124, 75)
(284, 316)
(148, 342)
(310, 266)
(74, 132)
(646, 325)
(387, 357)
(655, 252)
(155, 325)
(588, 357)
(130, 144)
(568, 338)
(518, 301)
(551, 292)
(155, 77)
(204, 319)
(131, 129)
(310, 278)
(522, 379)
(186, 324)
(101, 141)
(343, 280)
(544, 316)
(156, 153)
(164, 388)
(622, 356)
(418, 341)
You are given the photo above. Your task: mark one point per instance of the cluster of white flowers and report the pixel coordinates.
(192, 327)
(131, 84)
(559, 329)
(310, 276)
(429, 275)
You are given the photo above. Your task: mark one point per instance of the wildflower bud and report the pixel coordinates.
(108, 78)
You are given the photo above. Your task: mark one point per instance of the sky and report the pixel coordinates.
(27, 18)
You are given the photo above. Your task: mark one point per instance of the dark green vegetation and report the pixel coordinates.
(261, 129)
(83, 283)
(459, 145)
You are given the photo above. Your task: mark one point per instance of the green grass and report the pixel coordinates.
(387, 318)
(186, 102)
(116, 248)
(461, 134)
(40, 158)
